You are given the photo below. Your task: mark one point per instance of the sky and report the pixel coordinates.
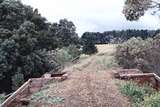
(92, 15)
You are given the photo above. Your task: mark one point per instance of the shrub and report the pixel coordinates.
(73, 51)
(143, 96)
(135, 92)
(141, 54)
(63, 56)
(2, 98)
(66, 54)
(89, 48)
(151, 101)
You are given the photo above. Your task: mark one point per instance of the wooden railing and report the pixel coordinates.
(22, 89)
(29, 87)
(142, 78)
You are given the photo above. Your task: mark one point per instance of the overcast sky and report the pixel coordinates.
(92, 15)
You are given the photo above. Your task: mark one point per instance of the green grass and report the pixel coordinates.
(141, 96)
(43, 97)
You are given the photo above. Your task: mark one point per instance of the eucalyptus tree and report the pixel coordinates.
(134, 9)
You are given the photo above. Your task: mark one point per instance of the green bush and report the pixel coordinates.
(63, 56)
(2, 98)
(89, 48)
(66, 54)
(142, 96)
(135, 92)
(141, 54)
(73, 51)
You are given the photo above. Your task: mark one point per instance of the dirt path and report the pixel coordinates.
(90, 84)
(87, 87)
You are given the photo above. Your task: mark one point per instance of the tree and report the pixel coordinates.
(89, 48)
(20, 51)
(134, 9)
(65, 32)
(21, 54)
(138, 53)
(88, 44)
(117, 37)
(25, 41)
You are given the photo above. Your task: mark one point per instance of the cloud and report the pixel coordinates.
(92, 15)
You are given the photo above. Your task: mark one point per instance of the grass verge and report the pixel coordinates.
(141, 96)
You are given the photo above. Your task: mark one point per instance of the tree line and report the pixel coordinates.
(117, 36)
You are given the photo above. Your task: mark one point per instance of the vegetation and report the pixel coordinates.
(41, 96)
(89, 48)
(25, 39)
(66, 54)
(141, 54)
(136, 92)
(151, 101)
(106, 56)
(2, 98)
(116, 37)
(141, 96)
(134, 9)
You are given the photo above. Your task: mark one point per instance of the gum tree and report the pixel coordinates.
(134, 9)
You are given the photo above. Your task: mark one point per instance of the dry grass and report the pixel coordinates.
(106, 48)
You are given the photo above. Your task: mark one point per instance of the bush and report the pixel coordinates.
(63, 56)
(151, 101)
(89, 48)
(143, 96)
(135, 92)
(141, 54)
(66, 54)
(73, 51)
(2, 98)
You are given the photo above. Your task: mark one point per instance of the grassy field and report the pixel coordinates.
(106, 48)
